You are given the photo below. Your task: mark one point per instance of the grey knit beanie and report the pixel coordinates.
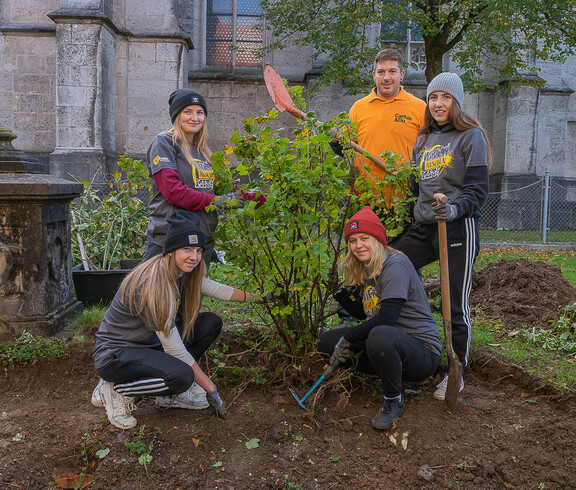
(449, 83)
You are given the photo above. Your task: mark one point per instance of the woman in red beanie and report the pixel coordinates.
(399, 341)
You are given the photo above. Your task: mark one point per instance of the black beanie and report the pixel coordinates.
(184, 231)
(182, 98)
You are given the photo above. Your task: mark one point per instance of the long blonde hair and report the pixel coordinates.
(178, 136)
(355, 271)
(151, 290)
(460, 120)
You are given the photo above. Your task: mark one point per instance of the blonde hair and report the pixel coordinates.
(151, 290)
(356, 272)
(199, 139)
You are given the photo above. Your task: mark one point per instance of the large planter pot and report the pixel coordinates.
(99, 286)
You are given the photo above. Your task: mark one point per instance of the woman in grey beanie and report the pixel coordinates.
(454, 158)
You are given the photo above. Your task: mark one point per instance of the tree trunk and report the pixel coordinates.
(434, 55)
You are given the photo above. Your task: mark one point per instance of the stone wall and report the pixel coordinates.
(82, 81)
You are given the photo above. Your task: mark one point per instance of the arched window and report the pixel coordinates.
(233, 33)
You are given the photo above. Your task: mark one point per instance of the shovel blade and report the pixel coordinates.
(277, 90)
(454, 380)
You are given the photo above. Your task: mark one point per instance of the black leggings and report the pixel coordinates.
(388, 352)
(138, 371)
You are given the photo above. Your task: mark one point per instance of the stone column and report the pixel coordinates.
(35, 260)
(85, 90)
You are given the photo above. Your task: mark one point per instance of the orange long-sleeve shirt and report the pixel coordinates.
(387, 125)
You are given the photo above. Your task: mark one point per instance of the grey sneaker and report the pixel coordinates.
(440, 392)
(118, 407)
(192, 399)
(96, 400)
(388, 413)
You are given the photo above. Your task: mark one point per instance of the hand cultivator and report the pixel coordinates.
(328, 370)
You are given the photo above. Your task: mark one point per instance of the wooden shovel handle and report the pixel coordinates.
(444, 276)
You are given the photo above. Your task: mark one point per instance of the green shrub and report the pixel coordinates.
(112, 224)
(291, 245)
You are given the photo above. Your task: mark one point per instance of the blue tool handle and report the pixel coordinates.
(312, 389)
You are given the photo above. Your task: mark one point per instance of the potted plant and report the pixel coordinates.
(109, 230)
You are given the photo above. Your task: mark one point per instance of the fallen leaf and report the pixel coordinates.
(195, 441)
(404, 441)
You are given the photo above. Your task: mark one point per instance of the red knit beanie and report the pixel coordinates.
(366, 221)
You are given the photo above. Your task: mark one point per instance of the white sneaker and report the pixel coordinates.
(440, 392)
(96, 400)
(118, 407)
(193, 399)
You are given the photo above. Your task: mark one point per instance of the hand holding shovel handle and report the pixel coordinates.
(455, 371)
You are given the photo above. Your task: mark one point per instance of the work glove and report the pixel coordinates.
(231, 200)
(337, 147)
(341, 353)
(215, 401)
(444, 211)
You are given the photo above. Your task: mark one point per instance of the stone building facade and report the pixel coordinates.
(82, 81)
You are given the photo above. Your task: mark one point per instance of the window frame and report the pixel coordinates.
(233, 64)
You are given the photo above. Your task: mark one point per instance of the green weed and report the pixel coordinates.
(28, 348)
(144, 449)
(551, 367)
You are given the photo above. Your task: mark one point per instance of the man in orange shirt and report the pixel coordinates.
(388, 117)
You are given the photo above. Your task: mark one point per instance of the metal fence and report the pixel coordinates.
(539, 213)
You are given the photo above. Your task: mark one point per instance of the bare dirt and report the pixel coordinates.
(506, 432)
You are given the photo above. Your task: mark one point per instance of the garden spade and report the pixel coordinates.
(455, 370)
(328, 370)
(283, 102)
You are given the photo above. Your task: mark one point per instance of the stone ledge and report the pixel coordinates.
(27, 28)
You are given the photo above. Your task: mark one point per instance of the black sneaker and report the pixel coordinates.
(388, 413)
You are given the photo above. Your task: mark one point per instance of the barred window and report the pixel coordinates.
(232, 33)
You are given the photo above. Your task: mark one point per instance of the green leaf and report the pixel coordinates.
(252, 443)
(102, 453)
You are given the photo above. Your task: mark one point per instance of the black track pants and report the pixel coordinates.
(420, 244)
(150, 371)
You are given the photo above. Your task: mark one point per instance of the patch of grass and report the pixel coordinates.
(552, 367)
(231, 312)
(83, 321)
(527, 236)
(28, 348)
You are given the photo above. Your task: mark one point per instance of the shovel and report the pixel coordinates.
(455, 370)
(328, 370)
(283, 102)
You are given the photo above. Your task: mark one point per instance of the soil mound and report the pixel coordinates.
(521, 292)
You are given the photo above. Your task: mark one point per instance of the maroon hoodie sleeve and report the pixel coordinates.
(178, 194)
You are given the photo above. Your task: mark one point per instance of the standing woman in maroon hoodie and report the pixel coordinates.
(182, 175)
